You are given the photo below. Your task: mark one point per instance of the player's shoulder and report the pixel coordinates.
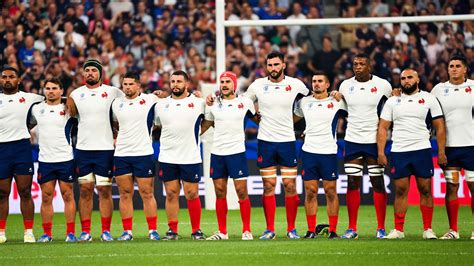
(428, 95)
(393, 99)
(347, 82)
(258, 82)
(381, 81)
(79, 90)
(439, 87)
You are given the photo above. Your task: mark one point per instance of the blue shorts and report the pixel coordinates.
(15, 158)
(138, 166)
(276, 154)
(186, 172)
(62, 171)
(319, 166)
(462, 157)
(234, 166)
(97, 162)
(355, 150)
(418, 163)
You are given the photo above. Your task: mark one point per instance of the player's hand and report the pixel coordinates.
(396, 92)
(197, 94)
(210, 100)
(336, 95)
(159, 93)
(442, 160)
(382, 160)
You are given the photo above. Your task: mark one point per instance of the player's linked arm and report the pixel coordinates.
(205, 125)
(440, 128)
(382, 133)
(71, 107)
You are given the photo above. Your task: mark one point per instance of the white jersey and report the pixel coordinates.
(275, 103)
(321, 117)
(457, 102)
(180, 122)
(93, 106)
(364, 103)
(229, 121)
(411, 116)
(14, 113)
(135, 119)
(53, 129)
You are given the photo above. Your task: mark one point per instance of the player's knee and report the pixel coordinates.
(401, 191)
(68, 195)
(469, 175)
(378, 184)
(25, 192)
(191, 194)
(424, 191)
(220, 192)
(104, 192)
(353, 183)
(310, 195)
(451, 177)
(268, 188)
(330, 192)
(47, 196)
(126, 192)
(290, 185)
(242, 193)
(146, 193)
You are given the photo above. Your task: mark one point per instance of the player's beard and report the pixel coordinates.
(8, 87)
(92, 82)
(177, 93)
(409, 90)
(317, 91)
(228, 93)
(276, 74)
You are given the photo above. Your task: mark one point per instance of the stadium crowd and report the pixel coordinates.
(45, 39)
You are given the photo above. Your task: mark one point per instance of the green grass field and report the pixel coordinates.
(413, 250)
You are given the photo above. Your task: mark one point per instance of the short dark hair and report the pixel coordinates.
(181, 73)
(460, 58)
(275, 54)
(8, 67)
(132, 75)
(362, 55)
(54, 81)
(321, 73)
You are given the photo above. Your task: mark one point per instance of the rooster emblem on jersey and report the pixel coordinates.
(468, 89)
(288, 88)
(191, 105)
(330, 105)
(422, 101)
(62, 113)
(22, 100)
(241, 106)
(373, 90)
(104, 95)
(142, 102)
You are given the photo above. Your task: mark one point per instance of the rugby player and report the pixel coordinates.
(365, 95)
(180, 116)
(95, 146)
(15, 150)
(457, 99)
(133, 157)
(319, 153)
(412, 114)
(56, 164)
(228, 152)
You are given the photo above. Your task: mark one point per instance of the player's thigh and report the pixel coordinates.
(401, 164)
(310, 167)
(84, 161)
(236, 165)
(5, 187)
(125, 183)
(190, 173)
(172, 188)
(47, 189)
(22, 159)
(191, 190)
(422, 163)
(143, 166)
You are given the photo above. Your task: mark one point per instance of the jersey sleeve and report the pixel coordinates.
(208, 113)
(156, 119)
(37, 98)
(250, 105)
(387, 111)
(387, 88)
(302, 89)
(31, 116)
(251, 92)
(112, 111)
(118, 92)
(435, 108)
(298, 110)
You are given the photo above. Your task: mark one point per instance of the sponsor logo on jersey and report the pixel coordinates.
(69, 178)
(30, 170)
(150, 172)
(240, 172)
(333, 175)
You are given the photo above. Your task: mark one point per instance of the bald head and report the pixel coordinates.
(409, 80)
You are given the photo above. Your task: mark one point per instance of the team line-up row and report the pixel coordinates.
(113, 139)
